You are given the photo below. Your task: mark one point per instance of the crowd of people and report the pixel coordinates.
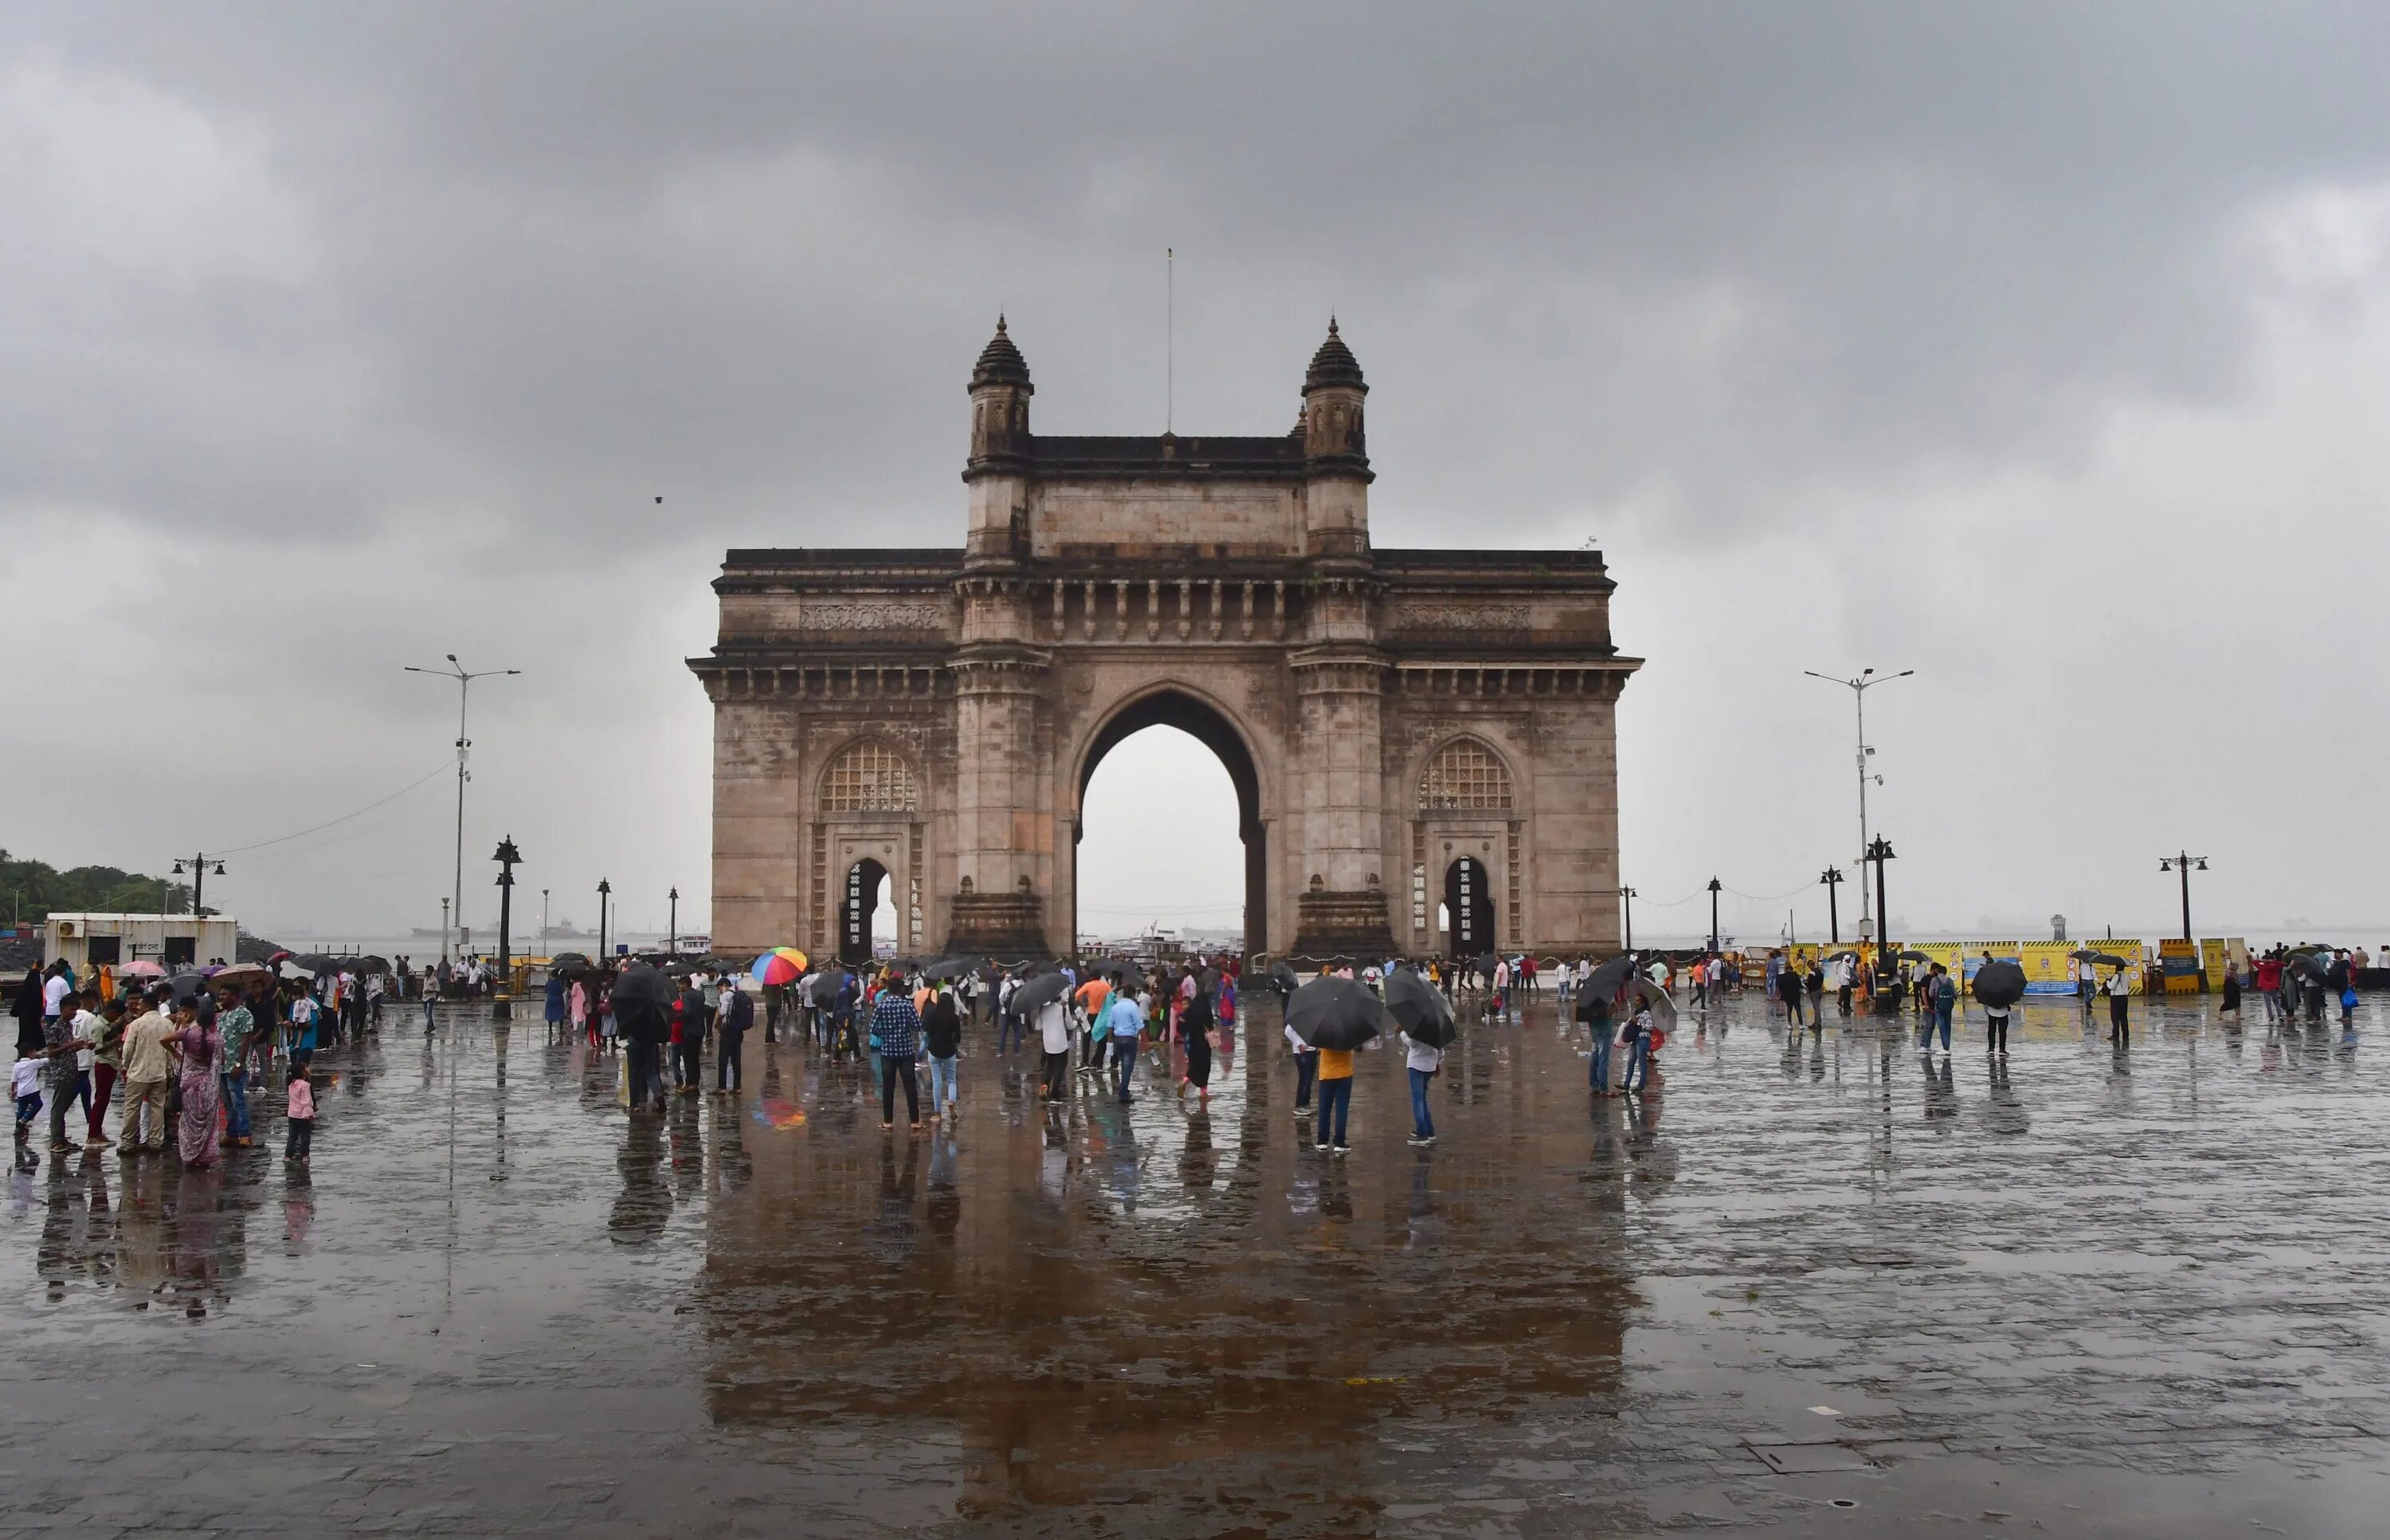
(191, 1055)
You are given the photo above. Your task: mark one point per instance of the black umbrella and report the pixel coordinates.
(1420, 1009)
(2309, 963)
(1041, 992)
(641, 985)
(2105, 959)
(1999, 983)
(1606, 981)
(1284, 977)
(1485, 966)
(949, 969)
(1919, 956)
(312, 962)
(567, 962)
(1329, 1012)
(1127, 974)
(188, 985)
(1845, 954)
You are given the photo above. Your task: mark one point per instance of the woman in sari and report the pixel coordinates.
(196, 1044)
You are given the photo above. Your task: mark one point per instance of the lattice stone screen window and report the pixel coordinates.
(1464, 774)
(867, 778)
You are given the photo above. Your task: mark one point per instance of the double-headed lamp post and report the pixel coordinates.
(604, 888)
(1832, 878)
(456, 671)
(502, 1008)
(671, 927)
(1880, 852)
(1868, 679)
(2181, 862)
(1626, 910)
(198, 867)
(1714, 886)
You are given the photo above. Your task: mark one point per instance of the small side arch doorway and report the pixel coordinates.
(863, 881)
(1469, 903)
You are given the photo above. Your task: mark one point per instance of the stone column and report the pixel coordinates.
(1337, 776)
(1004, 822)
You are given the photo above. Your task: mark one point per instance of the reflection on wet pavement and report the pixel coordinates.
(1832, 1284)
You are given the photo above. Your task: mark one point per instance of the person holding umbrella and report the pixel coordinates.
(2120, 996)
(1334, 1016)
(1998, 985)
(1427, 1028)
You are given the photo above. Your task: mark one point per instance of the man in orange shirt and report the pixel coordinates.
(1335, 1096)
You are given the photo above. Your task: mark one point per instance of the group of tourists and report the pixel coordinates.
(184, 1053)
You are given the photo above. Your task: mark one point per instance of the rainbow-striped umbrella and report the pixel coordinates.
(779, 965)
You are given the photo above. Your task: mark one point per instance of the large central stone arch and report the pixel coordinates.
(1176, 703)
(1224, 585)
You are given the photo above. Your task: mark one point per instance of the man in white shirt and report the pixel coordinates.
(1053, 1025)
(55, 989)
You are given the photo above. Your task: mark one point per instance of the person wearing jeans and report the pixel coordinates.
(236, 1024)
(1306, 1071)
(1335, 1098)
(1598, 1071)
(941, 1040)
(1422, 1063)
(1639, 1051)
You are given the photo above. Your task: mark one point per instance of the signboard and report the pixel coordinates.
(2179, 960)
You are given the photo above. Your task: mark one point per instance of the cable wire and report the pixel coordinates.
(286, 839)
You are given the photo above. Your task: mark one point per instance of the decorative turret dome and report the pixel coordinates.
(1333, 364)
(1000, 362)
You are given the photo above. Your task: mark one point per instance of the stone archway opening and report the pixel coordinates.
(1198, 720)
(863, 908)
(1468, 908)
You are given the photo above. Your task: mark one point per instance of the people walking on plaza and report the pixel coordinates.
(2268, 973)
(1195, 1026)
(234, 1027)
(2120, 996)
(299, 1121)
(64, 1038)
(25, 1084)
(1126, 1028)
(1636, 1039)
(1335, 1098)
(896, 1034)
(1996, 1030)
(730, 1039)
(1051, 1022)
(1593, 1008)
(1420, 1063)
(148, 1065)
(1788, 989)
(107, 1061)
(941, 1041)
(1937, 999)
(2231, 1004)
(1306, 1072)
(197, 1049)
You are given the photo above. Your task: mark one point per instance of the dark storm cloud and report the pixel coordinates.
(424, 304)
(1729, 254)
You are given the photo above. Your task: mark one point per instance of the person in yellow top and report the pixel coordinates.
(1335, 1096)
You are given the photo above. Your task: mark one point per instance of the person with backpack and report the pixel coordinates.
(737, 1015)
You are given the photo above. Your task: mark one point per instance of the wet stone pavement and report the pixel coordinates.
(1830, 1285)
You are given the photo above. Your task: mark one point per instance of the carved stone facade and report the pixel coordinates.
(1407, 729)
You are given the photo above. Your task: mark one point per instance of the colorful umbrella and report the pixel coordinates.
(781, 965)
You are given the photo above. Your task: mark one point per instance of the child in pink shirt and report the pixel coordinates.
(301, 1119)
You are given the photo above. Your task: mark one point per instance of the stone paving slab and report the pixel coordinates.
(2088, 1293)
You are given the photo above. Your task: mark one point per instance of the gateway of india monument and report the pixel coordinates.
(1423, 742)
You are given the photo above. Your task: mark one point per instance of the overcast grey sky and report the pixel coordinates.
(2042, 349)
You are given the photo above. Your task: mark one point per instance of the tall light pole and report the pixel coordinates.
(2178, 863)
(507, 858)
(1714, 886)
(671, 927)
(1626, 902)
(604, 888)
(464, 745)
(1832, 878)
(1858, 688)
(198, 868)
(1880, 850)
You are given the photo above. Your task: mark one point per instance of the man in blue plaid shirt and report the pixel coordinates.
(896, 1038)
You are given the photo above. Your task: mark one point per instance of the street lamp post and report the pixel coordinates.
(604, 888)
(543, 924)
(671, 927)
(464, 745)
(200, 866)
(443, 930)
(1714, 885)
(2182, 863)
(501, 1007)
(1626, 902)
(1832, 878)
(1858, 688)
